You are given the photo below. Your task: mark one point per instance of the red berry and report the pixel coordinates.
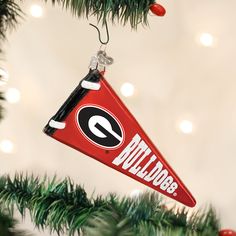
(157, 9)
(227, 232)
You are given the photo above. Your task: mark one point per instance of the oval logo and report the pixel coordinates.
(100, 126)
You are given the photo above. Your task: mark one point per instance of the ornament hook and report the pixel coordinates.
(99, 33)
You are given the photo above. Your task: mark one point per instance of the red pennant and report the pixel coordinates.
(94, 120)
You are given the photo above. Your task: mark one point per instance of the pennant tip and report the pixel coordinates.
(191, 202)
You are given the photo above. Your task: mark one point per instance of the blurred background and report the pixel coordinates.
(177, 77)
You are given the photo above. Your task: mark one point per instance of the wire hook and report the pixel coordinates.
(99, 33)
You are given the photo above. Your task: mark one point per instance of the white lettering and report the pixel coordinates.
(160, 178)
(134, 169)
(154, 172)
(166, 183)
(135, 155)
(172, 188)
(131, 159)
(142, 173)
(126, 152)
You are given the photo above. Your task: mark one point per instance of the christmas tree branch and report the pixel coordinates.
(1, 107)
(122, 11)
(8, 225)
(9, 14)
(64, 207)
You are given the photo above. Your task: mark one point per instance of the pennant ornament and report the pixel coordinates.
(94, 121)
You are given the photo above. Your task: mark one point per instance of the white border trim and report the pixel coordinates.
(57, 124)
(90, 85)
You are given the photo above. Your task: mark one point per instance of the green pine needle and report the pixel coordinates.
(121, 11)
(8, 225)
(9, 14)
(64, 207)
(1, 107)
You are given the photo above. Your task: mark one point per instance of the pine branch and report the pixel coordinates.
(64, 207)
(147, 215)
(9, 14)
(8, 226)
(121, 11)
(1, 107)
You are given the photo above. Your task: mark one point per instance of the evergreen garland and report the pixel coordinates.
(1, 107)
(64, 207)
(8, 226)
(121, 11)
(9, 14)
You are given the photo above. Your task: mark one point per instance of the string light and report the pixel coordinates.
(12, 95)
(36, 10)
(206, 39)
(186, 126)
(135, 193)
(127, 89)
(6, 146)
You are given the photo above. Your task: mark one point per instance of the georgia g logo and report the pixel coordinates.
(100, 127)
